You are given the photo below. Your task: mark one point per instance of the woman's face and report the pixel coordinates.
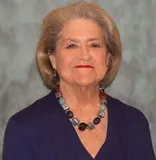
(80, 53)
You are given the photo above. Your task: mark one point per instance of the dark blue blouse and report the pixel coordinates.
(42, 131)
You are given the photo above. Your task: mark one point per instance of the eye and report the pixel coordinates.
(95, 45)
(71, 46)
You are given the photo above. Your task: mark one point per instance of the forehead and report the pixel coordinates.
(81, 29)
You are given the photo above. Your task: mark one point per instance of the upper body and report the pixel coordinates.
(78, 55)
(43, 131)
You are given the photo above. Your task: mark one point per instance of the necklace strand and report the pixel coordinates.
(82, 126)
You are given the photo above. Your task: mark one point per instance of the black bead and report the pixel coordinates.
(82, 126)
(97, 120)
(70, 114)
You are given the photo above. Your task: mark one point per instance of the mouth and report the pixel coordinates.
(84, 66)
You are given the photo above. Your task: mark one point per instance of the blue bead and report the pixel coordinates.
(61, 100)
(65, 106)
(58, 94)
(75, 122)
(103, 107)
(91, 125)
(102, 114)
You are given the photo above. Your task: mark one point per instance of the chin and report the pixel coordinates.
(85, 82)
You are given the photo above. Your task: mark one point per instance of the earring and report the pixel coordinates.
(54, 73)
(49, 52)
(55, 77)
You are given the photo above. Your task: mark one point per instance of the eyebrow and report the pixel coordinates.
(75, 40)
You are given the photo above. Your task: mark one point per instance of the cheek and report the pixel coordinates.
(63, 63)
(101, 59)
(101, 66)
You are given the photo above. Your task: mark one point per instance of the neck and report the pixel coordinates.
(80, 97)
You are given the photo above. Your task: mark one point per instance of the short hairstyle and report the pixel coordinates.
(54, 22)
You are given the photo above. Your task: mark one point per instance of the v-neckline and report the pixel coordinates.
(79, 150)
(102, 148)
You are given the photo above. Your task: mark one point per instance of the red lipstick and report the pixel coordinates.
(84, 66)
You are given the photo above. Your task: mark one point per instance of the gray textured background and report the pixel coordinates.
(20, 84)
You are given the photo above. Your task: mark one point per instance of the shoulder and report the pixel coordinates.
(132, 114)
(34, 116)
(134, 129)
(38, 108)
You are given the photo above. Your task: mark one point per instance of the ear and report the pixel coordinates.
(52, 60)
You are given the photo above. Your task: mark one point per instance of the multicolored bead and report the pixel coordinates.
(74, 121)
(102, 101)
(97, 120)
(91, 125)
(102, 114)
(82, 126)
(57, 88)
(58, 94)
(103, 107)
(70, 114)
(65, 106)
(62, 101)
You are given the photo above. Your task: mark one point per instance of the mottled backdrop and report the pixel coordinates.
(20, 84)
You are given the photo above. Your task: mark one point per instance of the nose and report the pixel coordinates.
(85, 54)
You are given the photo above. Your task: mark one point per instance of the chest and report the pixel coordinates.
(93, 140)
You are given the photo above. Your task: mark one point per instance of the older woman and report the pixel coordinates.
(78, 56)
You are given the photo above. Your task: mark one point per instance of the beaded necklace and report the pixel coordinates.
(75, 122)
